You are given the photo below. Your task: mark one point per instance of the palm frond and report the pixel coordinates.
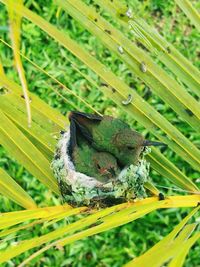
(158, 80)
(12, 190)
(16, 143)
(181, 145)
(98, 222)
(34, 147)
(179, 258)
(15, 27)
(190, 12)
(12, 105)
(165, 52)
(172, 246)
(43, 216)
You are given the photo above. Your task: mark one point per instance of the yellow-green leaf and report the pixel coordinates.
(181, 144)
(167, 247)
(105, 219)
(26, 153)
(12, 190)
(167, 53)
(12, 218)
(181, 254)
(190, 12)
(15, 26)
(55, 214)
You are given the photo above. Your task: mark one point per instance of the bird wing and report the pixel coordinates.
(78, 118)
(73, 138)
(77, 114)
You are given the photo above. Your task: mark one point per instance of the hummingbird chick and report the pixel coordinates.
(112, 135)
(100, 165)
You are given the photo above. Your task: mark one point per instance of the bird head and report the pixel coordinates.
(129, 144)
(106, 164)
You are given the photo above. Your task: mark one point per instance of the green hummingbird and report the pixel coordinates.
(112, 135)
(101, 165)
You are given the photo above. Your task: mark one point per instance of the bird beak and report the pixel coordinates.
(152, 143)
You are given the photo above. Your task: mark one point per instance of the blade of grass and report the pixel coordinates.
(13, 191)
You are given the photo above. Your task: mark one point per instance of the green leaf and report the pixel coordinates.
(55, 120)
(180, 256)
(26, 153)
(167, 247)
(64, 87)
(10, 189)
(185, 148)
(55, 214)
(13, 106)
(12, 218)
(165, 252)
(15, 25)
(190, 12)
(105, 219)
(167, 53)
(158, 80)
(169, 171)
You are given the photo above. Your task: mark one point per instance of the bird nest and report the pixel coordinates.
(79, 189)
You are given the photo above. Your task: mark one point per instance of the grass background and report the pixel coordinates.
(117, 246)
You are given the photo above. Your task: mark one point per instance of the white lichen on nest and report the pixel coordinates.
(79, 189)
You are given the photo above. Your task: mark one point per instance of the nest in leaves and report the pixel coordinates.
(79, 189)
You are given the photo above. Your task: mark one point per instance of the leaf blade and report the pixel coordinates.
(112, 217)
(27, 154)
(13, 191)
(185, 146)
(15, 24)
(190, 12)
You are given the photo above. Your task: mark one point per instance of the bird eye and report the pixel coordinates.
(98, 166)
